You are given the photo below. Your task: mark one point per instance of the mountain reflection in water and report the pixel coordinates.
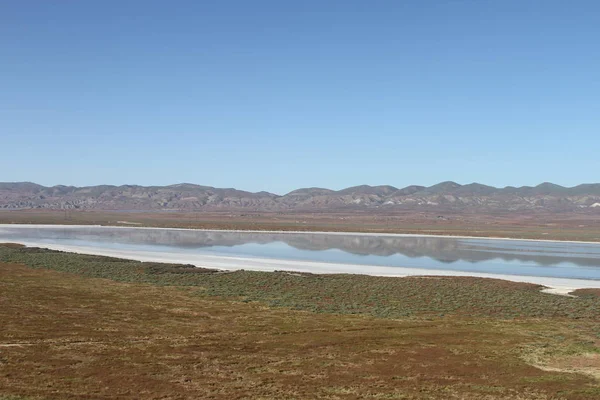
(442, 249)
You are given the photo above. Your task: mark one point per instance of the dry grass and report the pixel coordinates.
(411, 297)
(531, 224)
(64, 336)
(586, 292)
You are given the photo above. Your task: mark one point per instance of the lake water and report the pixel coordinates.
(496, 256)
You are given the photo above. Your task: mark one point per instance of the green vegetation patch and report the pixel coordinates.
(431, 297)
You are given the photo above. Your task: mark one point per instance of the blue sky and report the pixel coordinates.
(276, 95)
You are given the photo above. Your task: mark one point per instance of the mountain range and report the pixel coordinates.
(189, 197)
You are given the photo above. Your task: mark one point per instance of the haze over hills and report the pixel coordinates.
(185, 196)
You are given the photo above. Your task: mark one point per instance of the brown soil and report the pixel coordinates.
(68, 337)
(583, 226)
(586, 292)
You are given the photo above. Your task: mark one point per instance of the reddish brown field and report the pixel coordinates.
(536, 225)
(64, 336)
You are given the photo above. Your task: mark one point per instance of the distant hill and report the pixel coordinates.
(186, 196)
(383, 190)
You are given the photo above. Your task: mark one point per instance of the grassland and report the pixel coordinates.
(584, 226)
(88, 327)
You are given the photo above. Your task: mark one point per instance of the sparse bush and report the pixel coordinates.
(339, 293)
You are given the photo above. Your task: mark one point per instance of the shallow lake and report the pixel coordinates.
(496, 256)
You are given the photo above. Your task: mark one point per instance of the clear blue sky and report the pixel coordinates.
(276, 95)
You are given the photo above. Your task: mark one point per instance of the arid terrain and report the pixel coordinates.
(581, 225)
(546, 211)
(443, 197)
(87, 327)
(91, 327)
(299, 200)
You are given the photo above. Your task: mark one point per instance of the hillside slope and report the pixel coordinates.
(445, 195)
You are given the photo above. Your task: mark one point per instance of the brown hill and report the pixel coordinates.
(185, 196)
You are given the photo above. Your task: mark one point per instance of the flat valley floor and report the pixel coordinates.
(576, 226)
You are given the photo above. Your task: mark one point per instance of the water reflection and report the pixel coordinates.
(442, 250)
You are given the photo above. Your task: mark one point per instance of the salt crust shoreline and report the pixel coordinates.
(337, 233)
(561, 286)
